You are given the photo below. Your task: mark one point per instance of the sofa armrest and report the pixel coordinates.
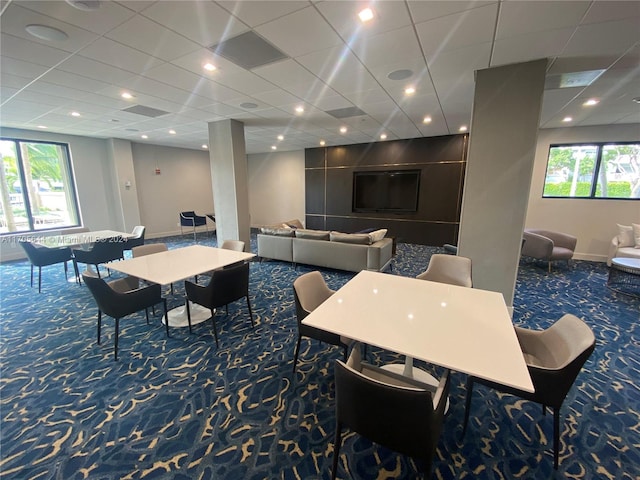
(562, 240)
(613, 249)
(537, 246)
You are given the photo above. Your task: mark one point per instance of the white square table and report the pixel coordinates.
(178, 264)
(463, 329)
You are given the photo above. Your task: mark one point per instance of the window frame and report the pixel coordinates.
(70, 189)
(596, 170)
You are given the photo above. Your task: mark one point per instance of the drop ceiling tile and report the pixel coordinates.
(254, 13)
(401, 45)
(277, 98)
(71, 80)
(459, 66)
(553, 101)
(15, 82)
(14, 20)
(19, 48)
(607, 10)
(300, 33)
(147, 36)
(21, 68)
(531, 46)
(422, 11)
(97, 70)
(518, 18)
(245, 82)
(580, 64)
(460, 30)
(120, 56)
(604, 38)
(205, 22)
(108, 16)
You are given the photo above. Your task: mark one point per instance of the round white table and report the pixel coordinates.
(624, 276)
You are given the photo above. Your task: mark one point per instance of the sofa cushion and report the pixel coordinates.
(278, 232)
(625, 236)
(312, 234)
(377, 235)
(357, 238)
(636, 234)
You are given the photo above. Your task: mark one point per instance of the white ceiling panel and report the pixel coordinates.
(337, 62)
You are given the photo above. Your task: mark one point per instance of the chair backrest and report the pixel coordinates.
(148, 249)
(31, 250)
(400, 418)
(102, 251)
(309, 290)
(236, 245)
(228, 285)
(118, 304)
(450, 269)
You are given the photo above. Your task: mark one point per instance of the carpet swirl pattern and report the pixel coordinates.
(180, 408)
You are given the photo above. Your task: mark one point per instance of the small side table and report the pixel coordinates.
(624, 276)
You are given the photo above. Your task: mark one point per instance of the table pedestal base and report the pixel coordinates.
(408, 370)
(178, 315)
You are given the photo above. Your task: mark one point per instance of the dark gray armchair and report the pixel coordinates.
(548, 245)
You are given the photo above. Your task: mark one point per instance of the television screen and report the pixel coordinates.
(386, 191)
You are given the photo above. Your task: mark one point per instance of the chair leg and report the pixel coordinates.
(215, 330)
(556, 437)
(467, 404)
(76, 270)
(39, 279)
(115, 348)
(146, 314)
(250, 312)
(31, 275)
(336, 451)
(295, 354)
(99, 325)
(166, 316)
(188, 314)
(66, 271)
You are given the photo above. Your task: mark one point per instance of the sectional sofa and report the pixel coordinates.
(352, 252)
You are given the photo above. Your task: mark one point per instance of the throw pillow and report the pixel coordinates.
(312, 234)
(378, 235)
(636, 234)
(358, 238)
(625, 236)
(278, 232)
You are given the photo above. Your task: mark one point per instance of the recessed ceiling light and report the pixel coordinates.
(343, 129)
(426, 119)
(210, 67)
(322, 143)
(85, 5)
(409, 91)
(75, 114)
(42, 126)
(299, 109)
(126, 95)
(172, 132)
(567, 119)
(205, 146)
(463, 128)
(45, 32)
(591, 102)
(383, 136)
(401, 74)
(273, 147)
(365, 15)
(280, 137)
(144, 136)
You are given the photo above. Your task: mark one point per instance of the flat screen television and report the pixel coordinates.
(386, 191)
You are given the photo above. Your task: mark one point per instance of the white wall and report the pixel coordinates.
(276, 187)
(592, 221)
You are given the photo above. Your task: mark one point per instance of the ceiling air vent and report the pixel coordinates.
(345, 112)
(574, 79)
(146, 111)
(248, 50)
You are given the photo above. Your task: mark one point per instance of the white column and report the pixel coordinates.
(126, 206)
(502, 144)
(228, 160)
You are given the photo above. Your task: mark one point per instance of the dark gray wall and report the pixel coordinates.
(441, 161)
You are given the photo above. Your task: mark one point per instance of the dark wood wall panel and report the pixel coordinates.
(441, 160)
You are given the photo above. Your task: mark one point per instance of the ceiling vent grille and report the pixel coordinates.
(248, 50)
(345, 112)
(145, 111)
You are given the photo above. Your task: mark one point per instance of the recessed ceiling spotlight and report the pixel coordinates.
(343, 129)
(463, 128)
(409, 91)
(126, 95)
(365, 15)
(273, 147)
(45, 32)
(280, 137)
(75, 114)
(210, 67)
(591, 102)
(322, 143)
(299, 109)
(383, 136)
(401, 74)
(144, 136)
(172, 132)
(42, 126)
(205, 146)
(426, 119)
(567, 119)
(85, 5)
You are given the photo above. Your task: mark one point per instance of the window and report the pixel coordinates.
(36, 186)
(595, 170)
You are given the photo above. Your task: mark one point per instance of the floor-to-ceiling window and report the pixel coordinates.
(36, 186)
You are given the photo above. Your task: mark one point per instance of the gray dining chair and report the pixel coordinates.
(41, 256)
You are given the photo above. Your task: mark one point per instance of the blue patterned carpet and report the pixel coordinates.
(180, 408)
